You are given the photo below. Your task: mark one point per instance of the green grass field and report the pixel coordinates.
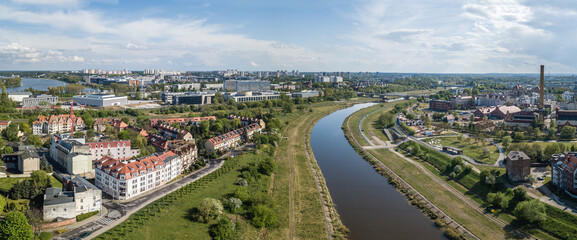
(472, 149)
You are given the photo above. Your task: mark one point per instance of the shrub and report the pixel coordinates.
(86, 215)
(223, 230)
(262, 216)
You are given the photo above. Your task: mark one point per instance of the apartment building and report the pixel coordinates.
(128, 179)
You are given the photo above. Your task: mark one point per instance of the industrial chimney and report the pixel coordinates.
(542, 88)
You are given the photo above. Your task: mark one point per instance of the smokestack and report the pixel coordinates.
(542, 88)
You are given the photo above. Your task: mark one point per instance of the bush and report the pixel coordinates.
(223, 230)
(262, 216)
(45, 236)
(530, 211)
(86, 215)
(208, 210)
(267, 166)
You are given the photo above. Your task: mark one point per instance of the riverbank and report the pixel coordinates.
(434, 200)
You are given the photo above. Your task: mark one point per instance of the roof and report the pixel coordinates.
(54, 196)
(117, 168)
(82, 184)
(517, 155)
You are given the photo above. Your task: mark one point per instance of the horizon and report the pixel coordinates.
(347, 36)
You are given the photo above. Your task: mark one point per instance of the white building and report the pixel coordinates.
(81, 197)
(101, 100)
(327, 79)
(568, 96)
(39, 100)
(127, 179)
(72, 154)
(18, 96)
(114, 149)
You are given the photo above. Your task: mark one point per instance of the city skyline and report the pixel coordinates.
(350, 36)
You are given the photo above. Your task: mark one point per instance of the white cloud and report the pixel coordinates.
(254, 64)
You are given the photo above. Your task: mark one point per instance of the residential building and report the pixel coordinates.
(174, 133)
(245, 121)
(440, 105)
(80, 197)
(4, 124)
(25, 160)
(100, 124)
(115, 149)
(128, 179)
(159, 142)
(72, 154)
(246, 85)
(490, 100)
(39, 100)
(87, 197)
(186, 150)
(518, 165)
(101, 100)
(328, 79)
(568, 96)
(181, 121)
(231, 139)
(564, 172)
(251, 96)
(57, 124)
(58, 204)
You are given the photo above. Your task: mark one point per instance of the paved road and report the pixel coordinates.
(119, 211)
(501, 160)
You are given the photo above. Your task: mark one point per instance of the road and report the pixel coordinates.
(119, 211)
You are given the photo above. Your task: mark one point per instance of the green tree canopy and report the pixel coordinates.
(531, 211)
(263, 216)
(209, 209)
(15, 226)
(223, 230)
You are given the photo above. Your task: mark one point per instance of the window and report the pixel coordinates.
(81, 200)
(65, 209)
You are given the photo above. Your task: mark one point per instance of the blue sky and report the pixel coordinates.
(442, 36)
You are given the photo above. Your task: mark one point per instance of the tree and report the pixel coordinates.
(11, 132)
(518, 136)
(531, 179)
(236, 124)
(208, 210)
(531, 211)
(486, 151)
(7, 150)
(40, 178)
(506, 140)
(263, 216)
(223, 230)
(568, 132)
(520, 194)
(34, 140)
(267, 166)
(499, 199)
(15, 226)
(232, 204)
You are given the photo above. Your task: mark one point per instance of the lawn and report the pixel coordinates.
(7, 183)
(472, 149)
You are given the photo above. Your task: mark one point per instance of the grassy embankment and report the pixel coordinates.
(292, 188)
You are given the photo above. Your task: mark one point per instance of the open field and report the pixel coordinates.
(472, 149)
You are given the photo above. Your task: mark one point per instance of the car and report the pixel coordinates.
(540, 178)
(85, 234)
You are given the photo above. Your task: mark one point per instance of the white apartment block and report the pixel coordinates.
(125, 180)
(115, 149)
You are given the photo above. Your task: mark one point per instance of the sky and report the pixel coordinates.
(440, 36)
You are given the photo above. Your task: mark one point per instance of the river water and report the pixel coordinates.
(367, 204)
(38, 84)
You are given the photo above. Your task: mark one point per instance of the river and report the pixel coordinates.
(367, 204)
(38, 84)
